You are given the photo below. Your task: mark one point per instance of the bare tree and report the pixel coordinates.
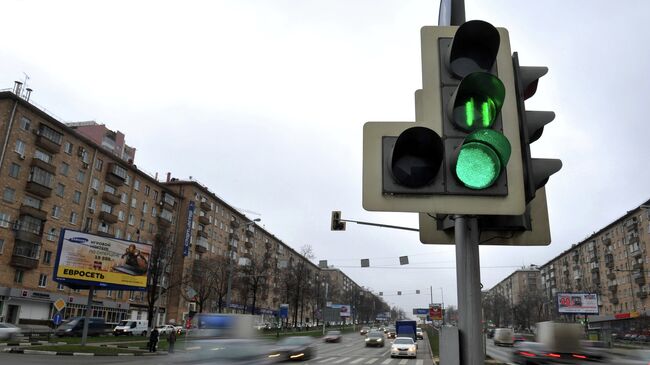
(159, 281)
(254, 272)
(204, 279)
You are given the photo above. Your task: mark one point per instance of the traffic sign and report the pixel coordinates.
(59, 305)
(57, 318)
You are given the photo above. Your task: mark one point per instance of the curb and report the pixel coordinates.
(37, 343)
(67, 353)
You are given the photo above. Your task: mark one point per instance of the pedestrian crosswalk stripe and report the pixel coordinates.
(342, 360)
(357, 360)
(419, 362)
(403, 362)
(372, 360)
(328, 359)
(387, 361)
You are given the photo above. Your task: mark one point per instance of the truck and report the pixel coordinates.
(406, 328)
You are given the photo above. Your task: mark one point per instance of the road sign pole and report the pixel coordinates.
(468, 277)
(84, 334)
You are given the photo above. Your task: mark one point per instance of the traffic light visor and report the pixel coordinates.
(477, 101)
(481, 158)
(474, 48)
(417, 157)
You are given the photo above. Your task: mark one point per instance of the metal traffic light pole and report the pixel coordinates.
(466, 232)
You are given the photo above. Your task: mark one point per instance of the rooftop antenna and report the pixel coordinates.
(25, 82)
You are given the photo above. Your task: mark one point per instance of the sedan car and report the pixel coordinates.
(535, 353)
(8, 330)
(364, 330)
(391, 332)
(293, 348)
(403, 346)
(375, 339)
(167, 329)
(419, 334)
(332, 336)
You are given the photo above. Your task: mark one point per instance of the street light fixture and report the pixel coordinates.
(230, 263)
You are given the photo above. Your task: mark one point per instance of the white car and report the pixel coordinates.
(404, 346)
(166, 329)
(8, 330)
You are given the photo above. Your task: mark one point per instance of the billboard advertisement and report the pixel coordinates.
(345, 310)
(435, 312)
(420, 311)
(577, 303)
(85, 259)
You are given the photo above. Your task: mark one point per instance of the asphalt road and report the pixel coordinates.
(351, 350)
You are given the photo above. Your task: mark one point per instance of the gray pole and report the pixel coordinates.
(228, 293)
(431, 292)
(442, 303)
(468, 276)
(324, 307)
(84, 334)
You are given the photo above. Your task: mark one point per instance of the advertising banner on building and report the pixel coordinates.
(577, 303)
(85, 259)
(345, 310)
(188, 229)
(435, 312)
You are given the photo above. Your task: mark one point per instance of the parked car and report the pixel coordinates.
(75, 326)
(375, 339)
(293, 348)
(8, 330)
(132, 327)
(404, 346)
(332, 336)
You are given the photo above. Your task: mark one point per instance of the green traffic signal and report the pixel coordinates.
(481, 157)
(477, 101)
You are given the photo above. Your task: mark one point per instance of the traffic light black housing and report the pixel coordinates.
(337, 225)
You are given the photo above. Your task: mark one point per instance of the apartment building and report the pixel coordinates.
(340, 285)
(54, 178)
(112, 141)
(518, 284)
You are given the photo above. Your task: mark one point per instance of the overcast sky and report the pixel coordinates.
(264, 102)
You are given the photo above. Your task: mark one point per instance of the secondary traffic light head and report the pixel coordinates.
(337, 225)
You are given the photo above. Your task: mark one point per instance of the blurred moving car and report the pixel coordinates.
(375, 339)
(504, 337)
(166, 329)
(403, 346)
(293, 348)
(490, 333)
(419, 333)
(332, 336)
(8, 330)
(75, 326)
(364, 330)
(392, 333)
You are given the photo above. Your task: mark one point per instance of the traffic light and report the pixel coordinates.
(456, 157)
(337, 225)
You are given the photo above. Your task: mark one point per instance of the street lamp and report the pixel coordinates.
(230, 263)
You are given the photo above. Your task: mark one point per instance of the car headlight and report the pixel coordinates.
(367, 339)
(412, 348)
(380, 339)
(68, 330)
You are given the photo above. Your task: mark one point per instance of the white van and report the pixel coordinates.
(504, 337)
(131, 327)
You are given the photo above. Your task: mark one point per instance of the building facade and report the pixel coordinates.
(112, 141)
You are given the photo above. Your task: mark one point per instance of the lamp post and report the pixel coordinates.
(230, 263)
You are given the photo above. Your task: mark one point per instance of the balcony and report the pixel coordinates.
(203, 219)
(250, 230)
(31, 211)
(594, 267)
(46, 144)
(234, 223)
(612, 288)
(38, 189)
(639, 278)
(637, 266)
(611, 275)
(613, 300)
(641, 294)
(269, 246)
(201, 245)
(105, 234)
(107, 217)
(233, 236)
(202, 234)
(163, 222)
(115, 174)
(25, 255)
(248, 244)
(110, 198)
(168, 201)
(609, 260)
(607, 241)
(43, 165)
(205, 205)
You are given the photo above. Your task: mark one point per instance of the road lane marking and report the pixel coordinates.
(372, 360)
(403, 362)
(357, 360)
(385, 353)
(341, 360)
(419, 362)
(387, 361)
(328, 359)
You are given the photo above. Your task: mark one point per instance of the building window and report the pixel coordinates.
(120, 216)
(141, 223)
(91, 203)
(134, 202)
(118, 233)
(131, 219)
(64, 169)
(18, 276)
(76, 197)
(98, 164)
(110, 189)
(127, 180)
(144, 207)
(20, 147)
(125, 198)
(56, 212)
(67, 147)
(95, 184)
(25, 123)
(42, 280)
(9, 195)
(155, 195)
(41, 176)
(2, 246)
(81, 176)
(73, 218)
(43, 156)
(50, 134)
(60, 190)
(154, 212)
(102, 227)
(136, 185)
(107, 208)
(14, 170)
(47, 257)
(151, 227)
(5, 220)
(51, 235)
(147, 189)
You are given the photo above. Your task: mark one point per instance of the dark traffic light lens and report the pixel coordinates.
(417, 157)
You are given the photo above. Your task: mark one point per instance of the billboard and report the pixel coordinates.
(435, 312)
(577, 303)
(85, 259)
(420, 311)
(345, 310)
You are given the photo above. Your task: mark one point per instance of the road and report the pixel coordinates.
(351, 350)
(615, 356)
